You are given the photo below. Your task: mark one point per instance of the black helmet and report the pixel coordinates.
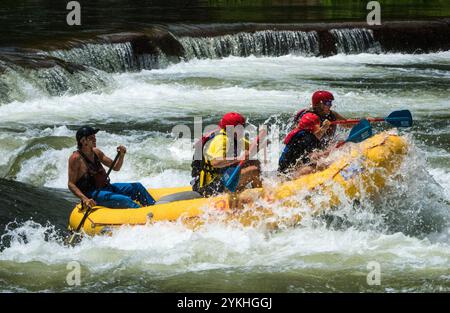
(85, 131)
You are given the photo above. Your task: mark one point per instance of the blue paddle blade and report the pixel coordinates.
(360, 132)
(227, 174)
(401, 118)
(230, 178)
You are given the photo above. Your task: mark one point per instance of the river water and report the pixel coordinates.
(406, 230)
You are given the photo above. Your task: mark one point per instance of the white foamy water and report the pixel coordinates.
(442, 177)
(405, 231)
(222, 246)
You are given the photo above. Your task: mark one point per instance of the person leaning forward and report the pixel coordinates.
(321, 102)
(217, 159)
(86, 175)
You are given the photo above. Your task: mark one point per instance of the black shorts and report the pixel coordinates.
(213, 188)
(217, 186)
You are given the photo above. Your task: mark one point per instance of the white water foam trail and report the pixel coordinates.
(442, 177)
(172, 247)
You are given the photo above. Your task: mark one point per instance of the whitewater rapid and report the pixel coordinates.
(407, 232)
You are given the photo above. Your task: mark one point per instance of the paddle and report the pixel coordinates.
(359, 133)
(89, 209)
(402, 118)
(232, 175)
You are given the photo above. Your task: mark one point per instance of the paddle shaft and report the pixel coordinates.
(252, 147)
(340, 144)
(401, 118)
(89, 209)
(356, 121)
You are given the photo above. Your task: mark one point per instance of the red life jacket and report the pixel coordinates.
(291, 135)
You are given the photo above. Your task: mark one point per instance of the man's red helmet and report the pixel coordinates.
(309, 122)
(231, 119)
(321, 96)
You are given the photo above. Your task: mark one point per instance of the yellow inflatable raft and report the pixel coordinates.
(363, 167)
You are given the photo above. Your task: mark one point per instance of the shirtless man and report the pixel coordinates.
(86, 175)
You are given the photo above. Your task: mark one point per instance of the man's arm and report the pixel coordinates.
(339, 117)
(108, 162)
(220, 162)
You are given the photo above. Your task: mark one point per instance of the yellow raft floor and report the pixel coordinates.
(362, 167)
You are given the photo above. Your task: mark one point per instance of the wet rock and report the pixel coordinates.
(327, 43)
(35, 59)
(414, 37)
(152, 41)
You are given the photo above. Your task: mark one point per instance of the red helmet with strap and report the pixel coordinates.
(309, 122)
(321, 96)
(231, 119)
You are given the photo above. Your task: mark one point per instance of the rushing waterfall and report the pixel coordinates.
(111, 57)
(26, 74)
(356, 40)
(261, 43)
(19, 84)
(71, 71)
